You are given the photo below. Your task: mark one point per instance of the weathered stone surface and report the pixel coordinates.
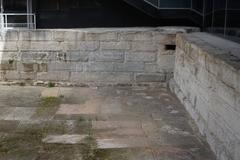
(114, 143)
(38, 46)
(51, 92)
(65, 66)
(64, 139)
(106, 36)
(35, 36)
(53, 76)
(9, 36)
(150, 78)
(103, 125)
(99, 67)
(9, 46)
(77, 56)
(206, 83)
(141, 57)
(80, 45)
(70, 36)
(144, 46)
(110, 55)
(129, 67)
(101, 77)
(91, 107)
(21, 114)
(115, 45)
(144, 128)
(136, 36)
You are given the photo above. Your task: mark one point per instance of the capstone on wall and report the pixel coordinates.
(207, 82)
(130, 55)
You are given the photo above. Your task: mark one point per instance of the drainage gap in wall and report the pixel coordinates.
(171, 47)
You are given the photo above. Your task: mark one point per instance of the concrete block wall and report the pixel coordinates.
(207, 81)
(130, 55)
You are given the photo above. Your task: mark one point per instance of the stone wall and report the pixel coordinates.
(131, 55)
(207, 81)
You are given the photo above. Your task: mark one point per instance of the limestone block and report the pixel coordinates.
(10, 75)
(53, 76)
(27, 67)
(28, 57)
(222, 132)
(8, 46)
(164, 38)
(75, 36)
(213, 65)
(129, 67)
(166, 62)
(36, 35)
(108, 56)
(65, 66)
(229, 75)
(44, 56)
(201, 124)
(136, 36)
(202, 106)
(115, 45)
(144, 46)
(151, 77)
(226, 113)
(9, 35)
(77, 56)
(8, 65)
(82, 45)
(194, 52)
(102, 77)
(106, 36)
(153, 68)
(42, 67)
(59, 36)
(6, 56)
(237, 149)
(99, 67)
(226, 93)
(27, 75)
(141, 57)
(39, 46)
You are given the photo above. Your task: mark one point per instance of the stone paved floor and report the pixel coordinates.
(106, 123)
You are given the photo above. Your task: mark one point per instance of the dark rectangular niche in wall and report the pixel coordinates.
(171, 47)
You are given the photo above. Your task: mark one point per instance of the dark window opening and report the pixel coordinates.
(171, 47)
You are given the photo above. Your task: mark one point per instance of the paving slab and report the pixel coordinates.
(113, 143)
(51, 92)
(111, 106)
(65, 139)
(89, 108)
(108, 125)
(21, 113)
(121, 132)
(123, 123)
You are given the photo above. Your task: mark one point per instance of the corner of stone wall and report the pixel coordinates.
(206, 81)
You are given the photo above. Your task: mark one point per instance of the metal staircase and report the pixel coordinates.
(157, 9)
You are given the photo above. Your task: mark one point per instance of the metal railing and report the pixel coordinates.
(18, 20)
